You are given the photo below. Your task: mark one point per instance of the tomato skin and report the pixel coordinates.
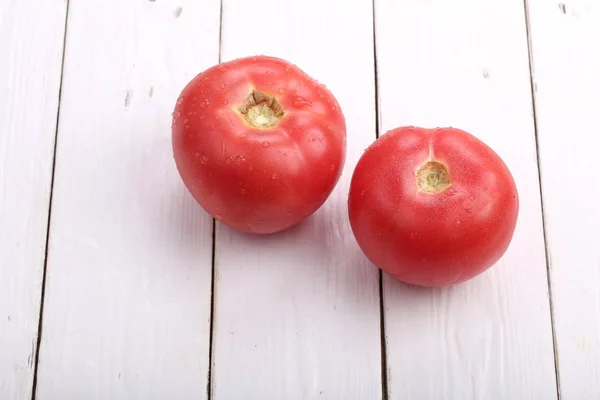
(258, 179)
(427, 239)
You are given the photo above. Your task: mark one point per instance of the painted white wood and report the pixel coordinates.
(31, 43)
(566, 57)
(297, 313)
(127, 307)
(465, 64)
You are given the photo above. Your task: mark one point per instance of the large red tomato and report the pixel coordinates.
(258, 143)
(432, 207)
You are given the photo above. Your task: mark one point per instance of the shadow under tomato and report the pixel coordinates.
(401, 295)
(316, 260)
(171, 224)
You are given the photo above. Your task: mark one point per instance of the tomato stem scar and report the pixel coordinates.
(433, 177)
(261, 110)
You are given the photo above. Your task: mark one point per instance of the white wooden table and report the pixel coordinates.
(113, 284)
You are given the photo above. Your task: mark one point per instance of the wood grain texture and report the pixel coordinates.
(297, 313)
(127, 307)
(31, 44)
(566, 61)
(465, 64)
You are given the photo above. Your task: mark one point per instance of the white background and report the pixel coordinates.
(105, 255)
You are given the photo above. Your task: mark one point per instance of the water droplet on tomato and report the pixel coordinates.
(240, 159)
(413, 235)
(265, 144)
(451, 192)
(457, 223)
(468, 206)
(332, 167)
(273, 175)
(185, 121)
(287, 70)
(250, 168)
(243, 191)
(180, 100)
(243, 135)
(222, 86)
(362, 192)
(229, 160)
(225, 102)
(301, 102)
(333, 108)
(472, 198)
(281, 91)
(203, 159)
(218, 216)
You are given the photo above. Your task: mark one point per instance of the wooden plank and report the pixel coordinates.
(566, 61)
(127, 308)
(297, 313)
(465, 64)
(31, 43)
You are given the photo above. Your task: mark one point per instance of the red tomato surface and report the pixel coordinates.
(271, 170)
(425, 238)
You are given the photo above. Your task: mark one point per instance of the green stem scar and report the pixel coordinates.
(261, 110)
(433, 177)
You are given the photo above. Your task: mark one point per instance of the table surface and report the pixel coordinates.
(115, 284)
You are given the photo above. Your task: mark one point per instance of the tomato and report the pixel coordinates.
(432, 207)
(258, 143)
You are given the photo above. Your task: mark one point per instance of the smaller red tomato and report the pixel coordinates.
(432, 207)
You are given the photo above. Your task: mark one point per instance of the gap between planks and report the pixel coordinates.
(542, 208)
(384, 371)
(47, 242)
(214, 253)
